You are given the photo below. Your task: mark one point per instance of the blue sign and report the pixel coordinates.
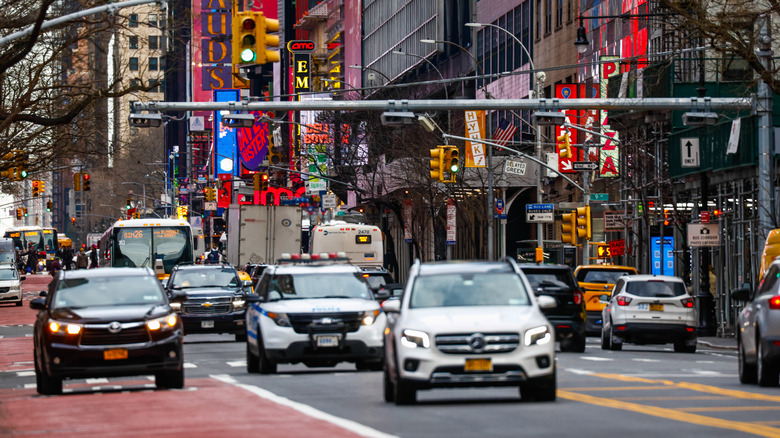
(536, 208)
(500, 205)
(225, 157)
(662, 258)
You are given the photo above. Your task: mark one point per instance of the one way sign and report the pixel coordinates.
(689, 151)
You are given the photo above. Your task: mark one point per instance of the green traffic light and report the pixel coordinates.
(24, 174)
(248, 55)
(454, 168)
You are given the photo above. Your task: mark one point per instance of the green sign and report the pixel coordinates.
(604, 197)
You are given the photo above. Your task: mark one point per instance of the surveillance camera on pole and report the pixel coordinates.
(235, 120)
(397, 118)
(549, 118)
(693, 119)
(139, 120)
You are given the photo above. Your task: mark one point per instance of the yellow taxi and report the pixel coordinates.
(242, 275)
(770, 251)
(597, 281)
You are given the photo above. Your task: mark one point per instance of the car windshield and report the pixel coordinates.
(550, 279)
(488, 289)
(8, 274)
(108, 291)
(324, 285)
(375, 281)
(655, 288)
(7, 257)
(205, 278)
(602, 276)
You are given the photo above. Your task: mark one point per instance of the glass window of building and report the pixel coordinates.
(134, 64)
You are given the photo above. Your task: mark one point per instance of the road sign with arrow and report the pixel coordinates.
(585, 165)
(689, 151)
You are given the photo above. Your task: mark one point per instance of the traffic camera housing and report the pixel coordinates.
(140, 120)
(236, 120)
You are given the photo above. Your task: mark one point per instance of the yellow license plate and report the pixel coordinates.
(657, 307)
(478, 365)
(115, 353)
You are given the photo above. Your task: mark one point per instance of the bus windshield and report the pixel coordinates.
(23, 238)
(50, 242)
(140, 246)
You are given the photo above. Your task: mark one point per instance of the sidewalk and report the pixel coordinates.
(729, 343)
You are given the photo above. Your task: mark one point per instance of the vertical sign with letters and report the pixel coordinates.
(475, 128)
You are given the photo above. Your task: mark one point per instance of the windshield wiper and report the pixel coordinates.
(336, 296)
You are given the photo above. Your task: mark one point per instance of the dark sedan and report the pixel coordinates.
(106, 322)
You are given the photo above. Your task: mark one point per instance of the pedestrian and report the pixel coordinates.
(67, 258)
(82, 260)
(32, 259)
(213, 256)
(55, 266)
(93, 257)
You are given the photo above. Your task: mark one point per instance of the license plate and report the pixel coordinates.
(327, 341)
(478, 365)
(207, 324)
(115, 353)
(657, 307)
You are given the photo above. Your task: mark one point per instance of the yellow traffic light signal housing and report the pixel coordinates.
(244, 42)
(265, 25)
(85, 182)
(437, 163)
(77, 181)
(21, 164)
(8, 167)
(564, 145)
(128, 205)
(35, 188)
(207, 194)
(583, 222)
(18, 213)
(48, 205)
(569, 228)
(263, 182)
(25, 211)
(451, 161)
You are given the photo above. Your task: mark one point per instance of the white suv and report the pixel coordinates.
(10, 285)
(462, 324)
(649, 309)
(318, 313)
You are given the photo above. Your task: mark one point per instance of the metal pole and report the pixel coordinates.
(764, 111)
(539, 227)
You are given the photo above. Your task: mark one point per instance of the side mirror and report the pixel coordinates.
(546, 302)
(741, 293)
(382, 294)
(177, 295)
(246, 283)
(43, 293)
(253, 298)
(392, 305)
(38, 303)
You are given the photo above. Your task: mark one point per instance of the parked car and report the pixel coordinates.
(103, 323)
(650, 309)
(568, 316)
(315, 312)
(597, 282)
(758, 334)
(463, 324)
(210, 298)
(10, 284)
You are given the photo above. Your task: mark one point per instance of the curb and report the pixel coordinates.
(717, 346)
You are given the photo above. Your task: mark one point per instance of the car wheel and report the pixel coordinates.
(539, 389)
(405, 394)
(604, 340)
(252, 361)
(19, 303)
(768, 373)
(578, 344)
(170, 379)
(47, 385)
(680, 347)
(265, 365)
(369, 365)
(614, 346)
(389, 388)
(747, 372)
(241, 337)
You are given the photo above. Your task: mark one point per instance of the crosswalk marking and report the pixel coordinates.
(189, 365)
(237, 363)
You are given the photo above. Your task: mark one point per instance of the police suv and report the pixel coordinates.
(317, 310)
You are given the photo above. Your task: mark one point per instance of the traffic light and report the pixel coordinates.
(18, 213)
(85, 182)
(602, 251)
(666, 217)
(437, 163)
(22, 162)
(128, 205)
(451, 161)
(35, 188)
(245, 38)
(77, 181)
(8, 167)
(207, 193)
(263, 181)
(73, 221)
(265, 25)
(583, 222)
(564, 145)
(49, 206)
(24, 210)
(569, 228)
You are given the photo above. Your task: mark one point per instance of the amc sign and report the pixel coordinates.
(300, 46)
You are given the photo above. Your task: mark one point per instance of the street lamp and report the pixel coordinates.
(446, 93)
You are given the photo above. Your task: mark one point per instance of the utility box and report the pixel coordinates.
(261, 233)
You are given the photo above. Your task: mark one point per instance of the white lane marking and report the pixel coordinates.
(597, 359)
(705, 361)
(637, 359)
(579, 371)
(305, 409)
(30, 386)
(96, 381)
(237, 363)
(189, 365)
(25, 373)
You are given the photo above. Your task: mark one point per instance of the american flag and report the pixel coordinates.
(504, 133)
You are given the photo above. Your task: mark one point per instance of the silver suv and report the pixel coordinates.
(462, 324)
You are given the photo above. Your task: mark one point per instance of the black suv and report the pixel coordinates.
(210, 298)
(569, 315)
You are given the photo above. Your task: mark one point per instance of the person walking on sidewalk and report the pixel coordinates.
(82, 260)
(32, 259)
(93, 257)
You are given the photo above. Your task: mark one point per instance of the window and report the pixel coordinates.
(559, 14)
(133, 20)
(133, 42)
(153, 20)
(153, 64)
(135, 82)
(153, 42)
(133, 64)
(538, 18)
(547, 16)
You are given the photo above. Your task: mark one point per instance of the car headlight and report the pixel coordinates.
(63, 328)
(239, 303)
(175, 306)
(280, 319)
(415, 339)
(369, 317)
(164, 323)
(538, 336)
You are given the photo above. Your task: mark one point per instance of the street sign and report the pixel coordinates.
(704, 216)
(210, 205)
(689, 151)
(617, 247)
(613, 220)
(500, 205)
(329, 201)
(703, 235)
(539, 213)
(515, 167)
(585, 165)
(601, 197)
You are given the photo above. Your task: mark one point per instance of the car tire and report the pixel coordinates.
(747, 372)
(241, 337)
(47, 385)
(604, 340)
(768, 373)
(539, 389)
(170, 379)
(680, 347)
(19, 303)
(265, 365)
(389, 388)
(252, 361)
(369, 365)
(614, 346)
(577, 344)
(405, 393)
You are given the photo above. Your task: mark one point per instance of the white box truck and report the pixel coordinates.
(261, 233)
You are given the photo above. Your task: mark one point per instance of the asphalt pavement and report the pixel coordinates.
(728, 343)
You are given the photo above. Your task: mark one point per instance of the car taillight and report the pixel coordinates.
(624, 301)
(577, 297)
(774, 302)
(687, 302)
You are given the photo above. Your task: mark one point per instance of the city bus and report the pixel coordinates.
(51, 242)
(158, 243)
(23, 236)
(362, 243)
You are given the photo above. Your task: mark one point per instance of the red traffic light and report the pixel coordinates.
(248, 24)
(86, 177)
(264, 176)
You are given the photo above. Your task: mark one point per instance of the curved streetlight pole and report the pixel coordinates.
(387, 79)
(446, 93)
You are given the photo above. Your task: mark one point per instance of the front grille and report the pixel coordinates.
(216, 306)
(101, 336)
(336, 322)
(477, 343)
(4, 289)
